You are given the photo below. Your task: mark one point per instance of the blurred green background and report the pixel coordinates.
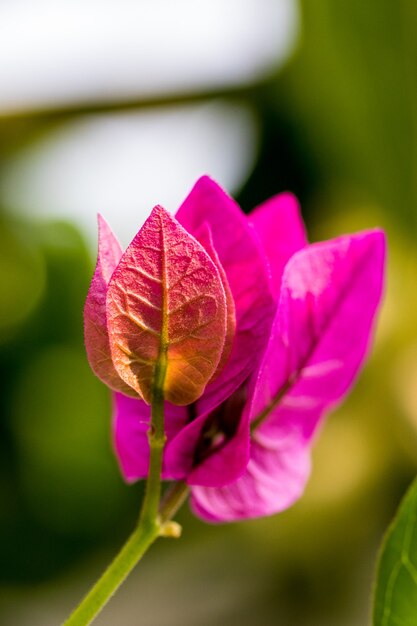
(319, 98)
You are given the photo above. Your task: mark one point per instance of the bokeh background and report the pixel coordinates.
(115, 106)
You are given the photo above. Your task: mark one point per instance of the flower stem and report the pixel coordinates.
(154, 521)
(138, 543)
(156, 435)
(172, 501)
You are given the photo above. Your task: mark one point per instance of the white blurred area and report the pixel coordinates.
(58, 53)
(61, 51)
(122, 165)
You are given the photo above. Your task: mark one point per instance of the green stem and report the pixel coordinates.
(172, 501)
(156, 436)
(135, 547)
(153, 523)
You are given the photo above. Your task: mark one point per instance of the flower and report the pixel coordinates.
(296, 329)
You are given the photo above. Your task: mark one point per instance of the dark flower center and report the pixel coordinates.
(221, 425)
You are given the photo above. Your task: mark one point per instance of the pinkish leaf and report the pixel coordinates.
(244, 262)
(166, 300)
(95, 317)
(281, 230)
(330, 295)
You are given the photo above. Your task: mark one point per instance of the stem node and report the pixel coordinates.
(171, 529)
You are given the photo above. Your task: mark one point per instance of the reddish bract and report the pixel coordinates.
(166, 297)
(95, 314)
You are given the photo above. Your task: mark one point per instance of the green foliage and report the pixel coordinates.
(352, 88)
(22, 277)
(396, 587)
(60, 489)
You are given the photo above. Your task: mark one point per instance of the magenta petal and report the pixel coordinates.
(329, 299)
(248, 274)
(281, 230)
(330, 295)
(130, 426)
(275, 477)
(206, 241)
(222, 466)
(95, 316)
(131, 419)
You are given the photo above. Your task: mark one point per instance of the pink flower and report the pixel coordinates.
(298, 323)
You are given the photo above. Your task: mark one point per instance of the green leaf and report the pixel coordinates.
(395, 602)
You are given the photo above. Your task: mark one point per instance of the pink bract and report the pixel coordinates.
(320, 336)
(97, 341)
(166, 297)
(296, 328)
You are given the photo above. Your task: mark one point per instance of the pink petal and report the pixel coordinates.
(245, 264)
(95, 317)
(166, 298)
(206, 240)
(281, 230)
(130, 426)
(330, 295)
(223, 460)
(329, 299)
(274, 479)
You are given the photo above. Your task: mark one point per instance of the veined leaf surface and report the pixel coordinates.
(166, 300)
(396, 585)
